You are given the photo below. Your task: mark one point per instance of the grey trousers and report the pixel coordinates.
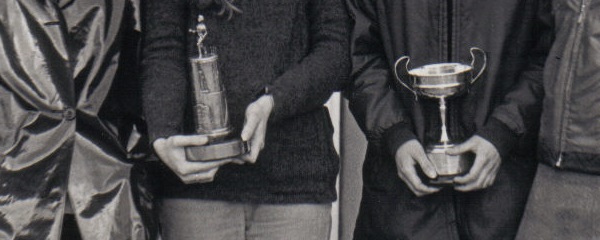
(562, 205)
(183, 219)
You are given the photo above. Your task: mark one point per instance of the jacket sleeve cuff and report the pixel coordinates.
(500, 135)
(397, 135)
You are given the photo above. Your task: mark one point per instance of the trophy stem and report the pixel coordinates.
(444, 138)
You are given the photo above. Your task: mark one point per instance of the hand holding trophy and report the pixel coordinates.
(442, 81)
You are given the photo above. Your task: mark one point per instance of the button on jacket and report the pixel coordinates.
(64, 102)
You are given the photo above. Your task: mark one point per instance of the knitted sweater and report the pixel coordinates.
(298, 48)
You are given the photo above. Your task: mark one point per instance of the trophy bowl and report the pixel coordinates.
(442, 81)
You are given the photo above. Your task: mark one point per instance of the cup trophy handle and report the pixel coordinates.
(483, 67)
(402, 59)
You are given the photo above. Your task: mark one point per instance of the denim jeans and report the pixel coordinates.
(196, 219)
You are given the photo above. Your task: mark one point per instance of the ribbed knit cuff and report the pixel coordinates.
(397, 135)
(500, 135)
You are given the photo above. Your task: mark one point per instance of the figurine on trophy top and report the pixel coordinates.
(210, 112)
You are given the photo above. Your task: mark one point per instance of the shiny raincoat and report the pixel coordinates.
(65, 103)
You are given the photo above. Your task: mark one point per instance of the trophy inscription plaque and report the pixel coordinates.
(442, 81)
(210, 113)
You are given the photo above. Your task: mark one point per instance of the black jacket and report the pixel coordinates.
(385, 30)
(433, 32)
(297, 48)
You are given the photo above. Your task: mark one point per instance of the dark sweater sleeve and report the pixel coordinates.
(164, 69)
(520, 110)
(308, 84)
(375, 104)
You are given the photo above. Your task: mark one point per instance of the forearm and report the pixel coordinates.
(519, 113)
(164, 66)
(374, 102)
(308, 84)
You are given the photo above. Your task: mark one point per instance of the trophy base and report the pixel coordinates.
(216, 151)
(448, 166)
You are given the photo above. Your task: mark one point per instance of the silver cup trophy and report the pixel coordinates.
(210, 113)
(442, 81)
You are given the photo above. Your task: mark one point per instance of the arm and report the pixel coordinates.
(165, 91)
(518, 114)
(164, 66)
(308, 84)
(520, 110)
(373, 101)
(377, 106)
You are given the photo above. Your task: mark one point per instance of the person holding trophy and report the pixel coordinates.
(233, 96)
(427, 76)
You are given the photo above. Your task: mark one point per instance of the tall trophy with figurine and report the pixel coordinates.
(210, 112)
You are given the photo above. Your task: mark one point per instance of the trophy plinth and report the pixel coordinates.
(447, 166)
(442, 81)
(215, 151)
(211, 117)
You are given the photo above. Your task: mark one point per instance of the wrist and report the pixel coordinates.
(265, 99)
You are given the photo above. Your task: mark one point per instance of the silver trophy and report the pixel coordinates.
(442, 81)
(211, 117)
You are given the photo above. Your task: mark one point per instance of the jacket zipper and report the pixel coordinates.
(567, 86)
(450, 26)
(560, 160)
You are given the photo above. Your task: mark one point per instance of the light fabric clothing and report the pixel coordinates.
(196, 219)
(562, 205)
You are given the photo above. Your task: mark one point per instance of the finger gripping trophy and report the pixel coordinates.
(442, 81)
(210, 113)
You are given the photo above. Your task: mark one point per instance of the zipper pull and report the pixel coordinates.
(560, 160)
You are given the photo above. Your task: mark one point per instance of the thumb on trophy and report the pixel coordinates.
(467, 146)
(191, 140)
(426, 165)
(250, 126)
(414, 150)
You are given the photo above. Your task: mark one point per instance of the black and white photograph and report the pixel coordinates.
(299, 119)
